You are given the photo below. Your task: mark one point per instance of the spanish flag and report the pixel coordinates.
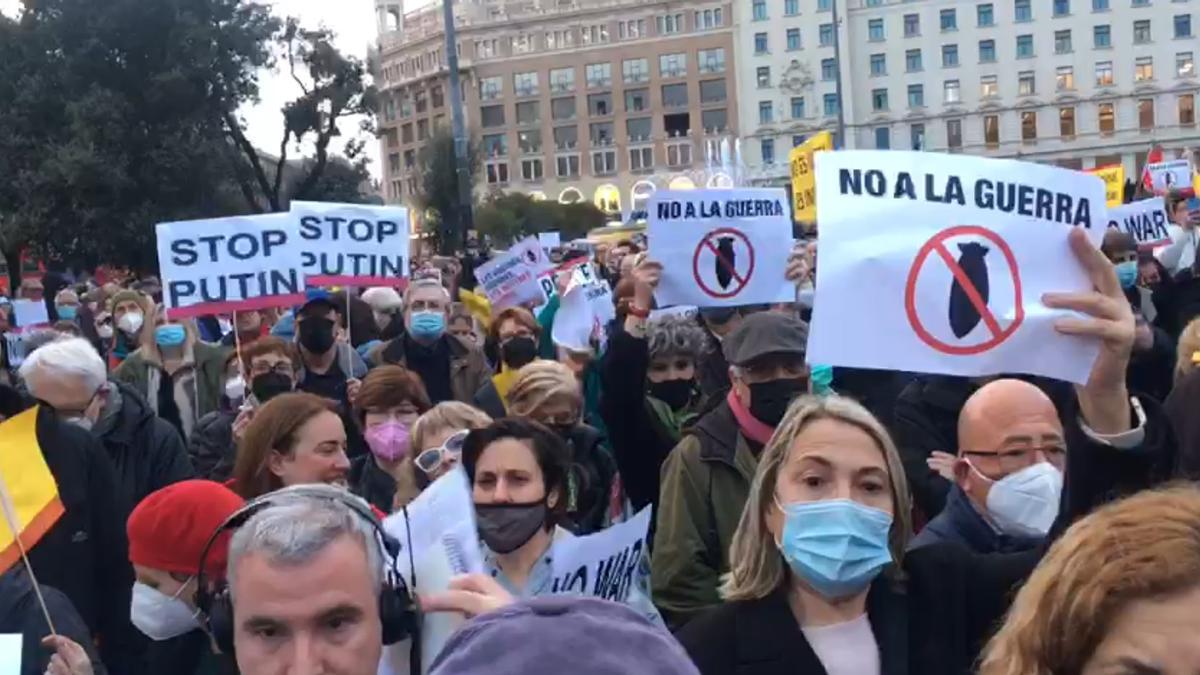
(28, 493)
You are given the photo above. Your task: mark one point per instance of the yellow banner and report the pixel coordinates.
(1114, 183)
(28, 493)
(804, 180)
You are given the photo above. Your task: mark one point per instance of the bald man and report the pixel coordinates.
(1008, 476)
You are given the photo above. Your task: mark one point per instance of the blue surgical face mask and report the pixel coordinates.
(67, 312)
(428, 325)
(170, 335)
(1127, 273)
(836, 546)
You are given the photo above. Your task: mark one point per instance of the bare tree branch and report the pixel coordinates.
(235, 131)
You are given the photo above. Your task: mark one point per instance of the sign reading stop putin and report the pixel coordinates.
(721, 248)
(937, 263)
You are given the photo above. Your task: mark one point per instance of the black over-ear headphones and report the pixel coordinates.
(397, 611)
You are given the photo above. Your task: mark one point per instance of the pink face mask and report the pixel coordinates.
(389, 440)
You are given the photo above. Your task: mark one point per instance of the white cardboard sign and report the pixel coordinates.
(1170, 175)
(11, 645)
(945, 259)
(511, 278)
(607, 564)
(221, 265)
(353, 244)
(549, 240)
(584, 311)
(721, 248)
(1146, 221)
(30, 313)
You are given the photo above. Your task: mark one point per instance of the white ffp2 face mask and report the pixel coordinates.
(131, 322)
(160, 616)
(1025, 503)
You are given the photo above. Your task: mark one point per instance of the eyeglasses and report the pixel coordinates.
(432, 459)
(1016, 458)
(281, 368)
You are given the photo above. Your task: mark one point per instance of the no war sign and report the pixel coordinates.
(226, 264)
(1145, 221)
(721, 248)
(353, 244)
(607, 564)
(936, 263)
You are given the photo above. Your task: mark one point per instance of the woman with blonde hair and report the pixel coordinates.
(819, 577)
(181, 377)
(1118, 593)
(1187, 354)
(548, 392)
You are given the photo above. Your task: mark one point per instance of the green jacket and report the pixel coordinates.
(705, 483)
(210, 373)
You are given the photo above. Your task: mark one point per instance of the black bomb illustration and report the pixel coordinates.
(532, 256)
(963, 314)
(725, 261)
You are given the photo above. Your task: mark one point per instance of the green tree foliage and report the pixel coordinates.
(511, 216)
(342, 181)
(438, 196)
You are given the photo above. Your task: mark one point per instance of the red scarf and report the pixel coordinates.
(751, 427)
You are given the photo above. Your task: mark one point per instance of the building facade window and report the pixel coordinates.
(793, 39)
(598, 75)
(567, 166)
(530, 142)
(1107, 119)
(1064, 78)
(991, 131)
(1143, 69)
(916, 96)
(988, 87)
(641, 159)
(604, 162)
(1185, 65)
(531, 170)
(672, 65)
(949, 56)
(490, 88)
(1029, 125)
(638, 128)
(954, 134)
(712, 91)
(637, 100)
(987, 51)
(669, 24)
(709, 19)
(825, 35)
(674, 95)
(758, 10)
(1145, 109)
(1141, 32)
(948, 20)
(1099, 5)
(491, 116)
(916, 136)
(1186, 106)
(1025, 84)
(828, 70)
(529, 112)
(984, 15)
(951, 92)
(1062, 7)
(767, 149)
(878, 65)
(1104, 74)
(883, 138)
(494, 145)
(1102, 36)
(1022, 11)
(829, 103)
(1183, 26)
(798, 107)
(1066, 123)
(791, 7)
(562, 108)
(562, 80)
(912, 25)
(711, 60)
(912, 61)
(714, 121)
(497, 173)
(762, 76)
(679, 154)
(600, 105)
(760, 43)
(635, 71)
(1062, 42)
(1024, 46)
(631, 29)
(879, 100)
(875, 30)
(525, 84)
(766, 112)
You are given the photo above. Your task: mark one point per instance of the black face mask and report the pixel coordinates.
(316, 335)
(769, 400)
(506, 527)
(269, 385)
(675, 393)
(518, 351)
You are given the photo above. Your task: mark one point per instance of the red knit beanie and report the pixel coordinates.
(169, 528)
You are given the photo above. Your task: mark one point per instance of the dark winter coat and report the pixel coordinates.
(85, 554)
(211, 448)
(372, 483)
(20, 613)
(925, 418)
(146, 450)
(937, 622)
(961, 523)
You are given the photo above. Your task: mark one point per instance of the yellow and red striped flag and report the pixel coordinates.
(28, 493)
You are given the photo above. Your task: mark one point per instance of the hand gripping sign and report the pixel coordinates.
(721, 248)
(353, 244)
(937, 263)
(228, 264)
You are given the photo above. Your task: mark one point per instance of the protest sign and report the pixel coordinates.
(584, 312)
(948, 256)
(1146, 221)
(223, 265)
(30, 313)
(353, 244)
(549, 240)
(678, 311)
(1175, 174)
(10, 653)
(511, 277)
(804, 182)
(440, 526)
(607, 564)
(1114, 183)
(721, 248)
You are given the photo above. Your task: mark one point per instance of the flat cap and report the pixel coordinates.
(764, 333)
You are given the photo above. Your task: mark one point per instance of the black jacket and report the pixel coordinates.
(85, 554)
(640, 444)
(21, 613)
(938, 621)
(961, 523)
(146, 450)
(211, 448)
(925, 418)
(372, 483)
(488, 400)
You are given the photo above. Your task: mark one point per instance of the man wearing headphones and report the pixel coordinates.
(306, 589)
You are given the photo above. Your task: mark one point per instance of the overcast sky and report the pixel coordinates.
(354, 23)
